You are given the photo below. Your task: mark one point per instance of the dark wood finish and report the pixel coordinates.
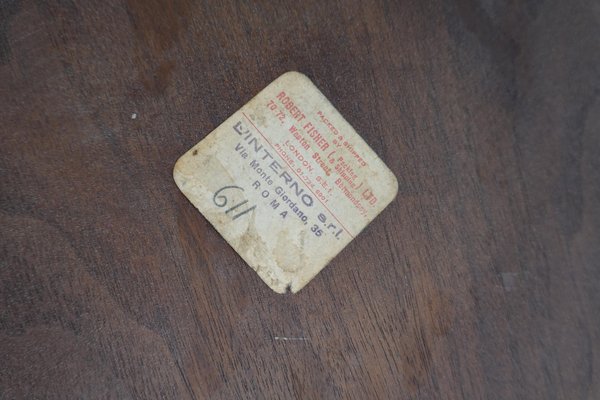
(481, 280)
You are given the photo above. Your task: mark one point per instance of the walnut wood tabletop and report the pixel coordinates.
(481, 280)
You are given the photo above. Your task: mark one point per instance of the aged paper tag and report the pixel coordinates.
(286, 181)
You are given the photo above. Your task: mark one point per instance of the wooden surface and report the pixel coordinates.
(480, 281)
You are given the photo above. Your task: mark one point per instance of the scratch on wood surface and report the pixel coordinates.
(285, 338)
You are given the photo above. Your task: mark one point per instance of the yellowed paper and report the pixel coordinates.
(286, 181)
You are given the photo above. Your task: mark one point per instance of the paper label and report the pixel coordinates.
(286, 181)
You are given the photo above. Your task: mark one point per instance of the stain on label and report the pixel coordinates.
(286, 181)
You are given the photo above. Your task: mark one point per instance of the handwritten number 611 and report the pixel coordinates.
(221, 200)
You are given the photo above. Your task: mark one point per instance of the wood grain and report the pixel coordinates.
(480, 281)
